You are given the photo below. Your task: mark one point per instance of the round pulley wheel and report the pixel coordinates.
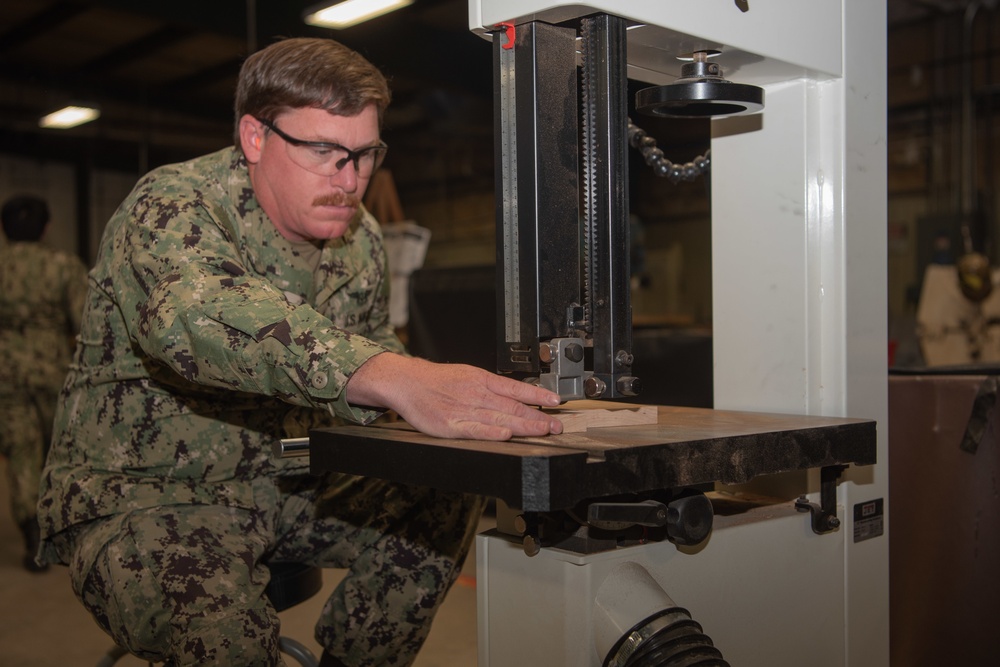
(700, 99)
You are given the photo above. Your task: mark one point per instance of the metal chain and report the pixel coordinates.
(675, 173)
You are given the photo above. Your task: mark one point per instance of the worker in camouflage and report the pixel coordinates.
(41, 299)
(240, 298)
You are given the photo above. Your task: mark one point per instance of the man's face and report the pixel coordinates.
(302, 204)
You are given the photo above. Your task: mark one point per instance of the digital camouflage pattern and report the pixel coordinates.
(42, 292)
(403, 547)
(206, 337)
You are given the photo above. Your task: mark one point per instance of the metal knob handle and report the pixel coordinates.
(288, 448)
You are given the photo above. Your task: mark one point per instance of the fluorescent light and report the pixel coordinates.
(351, 12)
(69, 117)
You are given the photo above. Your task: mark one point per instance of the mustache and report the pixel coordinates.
(337, 199)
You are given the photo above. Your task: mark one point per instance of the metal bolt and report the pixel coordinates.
(574, 352)
(594, 387)
(546, 352)
(629, 385)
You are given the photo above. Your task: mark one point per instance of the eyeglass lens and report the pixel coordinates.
(328, 160)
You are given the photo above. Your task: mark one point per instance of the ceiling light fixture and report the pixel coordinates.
(351, 12)
(68, 117)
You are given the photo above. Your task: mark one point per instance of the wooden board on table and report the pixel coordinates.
(579, 416)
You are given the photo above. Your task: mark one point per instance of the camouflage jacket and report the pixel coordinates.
(41, 300)
(205, 338)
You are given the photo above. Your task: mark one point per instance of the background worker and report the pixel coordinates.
(240, 298)
(42, 292)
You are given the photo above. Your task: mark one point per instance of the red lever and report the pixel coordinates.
(508, 30)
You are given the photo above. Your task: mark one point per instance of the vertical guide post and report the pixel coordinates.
(507, 229)
(608, 299)
(538, 228)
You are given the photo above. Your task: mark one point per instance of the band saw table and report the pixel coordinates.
(687, 447)
(601, 573)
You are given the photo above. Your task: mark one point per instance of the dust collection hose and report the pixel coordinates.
(636, 624)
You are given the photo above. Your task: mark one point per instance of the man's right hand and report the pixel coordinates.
(453, 400)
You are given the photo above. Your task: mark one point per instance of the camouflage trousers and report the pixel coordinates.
(25, 430)
(186, 583)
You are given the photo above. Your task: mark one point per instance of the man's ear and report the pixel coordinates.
(251, 138)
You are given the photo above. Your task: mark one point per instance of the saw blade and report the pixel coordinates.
(511, 242)
(588, 97)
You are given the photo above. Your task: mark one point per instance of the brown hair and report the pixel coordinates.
(308, 73)
(24, 218)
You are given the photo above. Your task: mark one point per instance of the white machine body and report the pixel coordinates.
(764, 591)
(799, 326)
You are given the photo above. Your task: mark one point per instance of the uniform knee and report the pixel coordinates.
(245, 638)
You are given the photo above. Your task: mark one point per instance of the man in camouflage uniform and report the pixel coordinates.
(41, 299)
(239, 298)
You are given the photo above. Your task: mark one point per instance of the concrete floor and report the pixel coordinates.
(43, 625)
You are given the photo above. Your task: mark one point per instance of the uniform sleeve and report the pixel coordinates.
(76, 292)
(191, 303)
(380, 325)
(383, 332)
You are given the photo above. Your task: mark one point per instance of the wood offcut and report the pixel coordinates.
(579, 416)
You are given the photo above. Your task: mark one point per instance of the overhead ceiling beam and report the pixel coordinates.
(400, 45)
(93, 88)
(420, 56)
(224, 17)
(44, 21)
(229, 69)
(137, 49)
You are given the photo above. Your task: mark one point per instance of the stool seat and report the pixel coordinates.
(292, 583)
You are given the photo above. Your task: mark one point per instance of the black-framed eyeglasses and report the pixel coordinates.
(326, 158)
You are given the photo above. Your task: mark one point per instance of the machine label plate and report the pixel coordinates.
(868, 520)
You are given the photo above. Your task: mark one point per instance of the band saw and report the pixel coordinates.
(750, 534)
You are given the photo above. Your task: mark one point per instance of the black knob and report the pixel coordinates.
(689, 519)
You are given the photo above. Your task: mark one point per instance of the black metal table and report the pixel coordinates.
(687, 447)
